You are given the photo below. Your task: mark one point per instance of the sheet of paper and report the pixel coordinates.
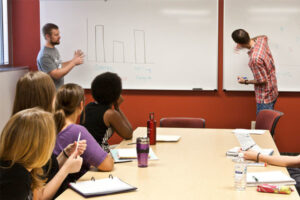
(250, 131)
(167, 138)
(132, 152)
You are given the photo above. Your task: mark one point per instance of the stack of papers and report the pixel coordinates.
(167, 138)
(272, 177)
(101, 187)
(129, 154)
(235, 151)
(250, 131)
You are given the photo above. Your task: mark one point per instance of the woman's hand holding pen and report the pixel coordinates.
(80, 149)
(73, 163)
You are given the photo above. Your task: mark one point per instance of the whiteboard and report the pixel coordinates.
(151, 44)
(279, 20)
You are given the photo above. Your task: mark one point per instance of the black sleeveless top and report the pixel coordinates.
(94, 123)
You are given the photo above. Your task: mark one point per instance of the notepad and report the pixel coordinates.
(130, 153)
(101, 187)
(271, 177)
(167, 138)
(250, 131)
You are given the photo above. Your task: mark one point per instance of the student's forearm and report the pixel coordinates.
(284, 161)
(126, 122)
(107, 165)
(52, 186)
(61, 159)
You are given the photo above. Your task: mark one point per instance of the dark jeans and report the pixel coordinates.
(262, 106)
(295, 174)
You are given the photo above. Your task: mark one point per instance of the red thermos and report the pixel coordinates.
(151, 129)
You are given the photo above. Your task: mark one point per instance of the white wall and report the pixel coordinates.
(8, 81)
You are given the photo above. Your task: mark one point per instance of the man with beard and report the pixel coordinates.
(48, 59)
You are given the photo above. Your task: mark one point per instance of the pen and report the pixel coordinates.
(256, 179)
(78, 140)
(261, 164)
(248, 147)
(131, 143)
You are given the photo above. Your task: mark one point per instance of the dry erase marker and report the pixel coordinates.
(245, 78)
(78, 140)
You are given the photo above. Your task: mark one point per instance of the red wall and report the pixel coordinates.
(26, 32)
(220, 109)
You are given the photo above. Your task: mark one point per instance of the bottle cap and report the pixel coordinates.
(241, 155)
(151, 115)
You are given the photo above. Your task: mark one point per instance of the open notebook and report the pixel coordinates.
(100, 187)
(271, 177)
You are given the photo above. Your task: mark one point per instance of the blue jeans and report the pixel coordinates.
(262, 106)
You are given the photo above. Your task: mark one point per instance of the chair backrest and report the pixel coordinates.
(267, 119)
(182, 122)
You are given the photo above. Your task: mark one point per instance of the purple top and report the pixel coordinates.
(94, 155)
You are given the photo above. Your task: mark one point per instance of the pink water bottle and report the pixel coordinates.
(151, 129)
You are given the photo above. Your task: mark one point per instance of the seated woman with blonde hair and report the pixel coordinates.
(26, 145)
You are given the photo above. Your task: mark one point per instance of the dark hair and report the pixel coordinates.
(34, 89)
(68, 99)
(107, 88)
(47, 28)
(240, 36)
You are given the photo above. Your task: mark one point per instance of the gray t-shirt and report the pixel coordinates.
(48, 60)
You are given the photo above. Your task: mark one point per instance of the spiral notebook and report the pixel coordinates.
(269, 177)
(101, 187)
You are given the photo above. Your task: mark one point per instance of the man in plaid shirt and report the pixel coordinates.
(262, 66)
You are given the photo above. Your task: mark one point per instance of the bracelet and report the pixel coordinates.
(246, 82)
(65, 154)
(257, 157)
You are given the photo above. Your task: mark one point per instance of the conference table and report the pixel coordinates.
(195, 167)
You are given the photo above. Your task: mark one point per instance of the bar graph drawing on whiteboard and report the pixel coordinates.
(98, 47)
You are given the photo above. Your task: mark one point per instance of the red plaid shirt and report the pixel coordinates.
(262, 66)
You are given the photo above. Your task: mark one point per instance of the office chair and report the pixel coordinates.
(182, 122)
(267, 119)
